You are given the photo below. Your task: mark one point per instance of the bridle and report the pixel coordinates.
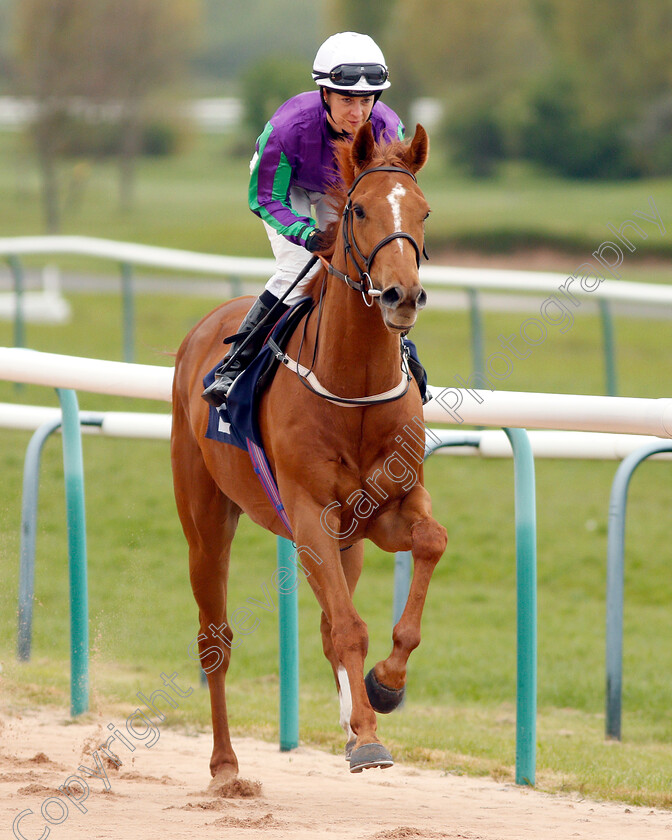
(366, 287)
(365, 284)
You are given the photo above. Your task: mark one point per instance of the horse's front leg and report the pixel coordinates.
(352, 559)
(407, 526)
(318, 554)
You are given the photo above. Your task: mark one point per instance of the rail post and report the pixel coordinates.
(526, 593)
(19, 315)
(615, 582)
(288, 616)
(128, 316)
(609, 345)
(526, 588)
(79, 605)
(29, 498)
(477, 340)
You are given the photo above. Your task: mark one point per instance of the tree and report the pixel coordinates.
(617, 60)
(455, 51)
(47, 31)
(75, 55)
(618, 50)
(144, 45)
(370, 17)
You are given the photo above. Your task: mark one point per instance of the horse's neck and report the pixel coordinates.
(356, 354)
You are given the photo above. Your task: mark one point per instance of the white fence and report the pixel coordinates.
(492, 443)
(451, 405)
(483, 279)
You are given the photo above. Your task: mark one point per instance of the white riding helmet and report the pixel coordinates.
(350, 62)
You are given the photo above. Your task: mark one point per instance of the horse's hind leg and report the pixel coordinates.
(209, 520)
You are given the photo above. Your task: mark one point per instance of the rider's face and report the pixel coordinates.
(348, 113)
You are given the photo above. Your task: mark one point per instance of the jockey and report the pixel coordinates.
(293, 166)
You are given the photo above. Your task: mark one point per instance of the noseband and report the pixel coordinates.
(365, 285)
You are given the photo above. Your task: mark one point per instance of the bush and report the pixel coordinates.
(559, 137)
(269, 83)
(474, 139)
(651, 139)
(160, 139)
(89, 138)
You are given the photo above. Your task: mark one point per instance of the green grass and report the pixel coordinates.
(460, 712)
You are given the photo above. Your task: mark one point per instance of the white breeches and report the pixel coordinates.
(290, 258)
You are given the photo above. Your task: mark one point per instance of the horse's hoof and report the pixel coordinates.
(382, 698)
(370, 755)
(349, 747)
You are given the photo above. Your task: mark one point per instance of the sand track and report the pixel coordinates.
(162, 792)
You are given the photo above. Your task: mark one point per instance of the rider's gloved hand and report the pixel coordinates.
(316, 241)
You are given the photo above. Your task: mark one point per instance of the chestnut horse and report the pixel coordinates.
(345, 470)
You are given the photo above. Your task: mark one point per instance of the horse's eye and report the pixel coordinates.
(358, 210)
(427, 216)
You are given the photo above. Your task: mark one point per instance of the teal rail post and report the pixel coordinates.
(609, 345)
(288, 614)
(615, 577)
(128, 311)
(526, 587)
(236, 286)
(402, 583)
(477, 351)
(74, 499)
(28, 536)
(19, 315)
(29, 500)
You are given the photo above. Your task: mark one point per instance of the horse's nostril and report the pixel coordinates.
(421, 299)
(392, 297)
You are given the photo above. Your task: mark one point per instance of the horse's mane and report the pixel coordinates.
(384, 154)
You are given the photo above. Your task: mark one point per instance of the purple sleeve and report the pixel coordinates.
(271, 174)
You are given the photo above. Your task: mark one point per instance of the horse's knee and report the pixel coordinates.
(350, 637)
(429, 540)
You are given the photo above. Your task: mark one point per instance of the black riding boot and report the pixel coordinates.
(216, 393)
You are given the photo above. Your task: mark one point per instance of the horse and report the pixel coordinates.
(346, 456)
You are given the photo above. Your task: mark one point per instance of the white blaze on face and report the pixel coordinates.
(345, 698)
(394, 198)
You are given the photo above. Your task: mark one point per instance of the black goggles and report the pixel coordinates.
(347, 75)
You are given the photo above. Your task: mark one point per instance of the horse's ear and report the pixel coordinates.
(418, 151)
(362, 147)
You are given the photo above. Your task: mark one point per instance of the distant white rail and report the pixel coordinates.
(492, 443)
(484, 279)
(119, 424)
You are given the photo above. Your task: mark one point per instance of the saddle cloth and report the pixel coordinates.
(235, 421)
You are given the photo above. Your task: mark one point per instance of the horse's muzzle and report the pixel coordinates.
(395, 296)
(400, 306)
